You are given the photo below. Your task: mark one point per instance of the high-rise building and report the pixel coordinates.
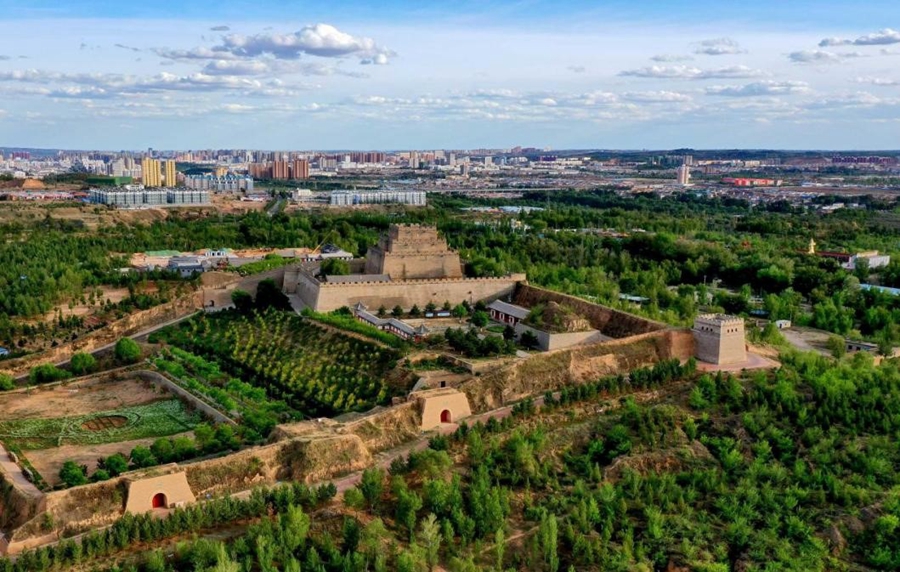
(281, 170)
(151, 175)
(300, 169)
(171, 180)
(414, 160)
(684, 175)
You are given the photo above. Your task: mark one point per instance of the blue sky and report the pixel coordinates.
(99, 74)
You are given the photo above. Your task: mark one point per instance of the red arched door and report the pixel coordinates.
(159, 501)
(446, 417)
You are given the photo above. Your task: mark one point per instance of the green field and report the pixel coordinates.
(314, 370)
(157, 419)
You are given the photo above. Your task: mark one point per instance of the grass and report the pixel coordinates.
(157, 419)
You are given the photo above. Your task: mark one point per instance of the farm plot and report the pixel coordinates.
(314, 370)
(157, 419)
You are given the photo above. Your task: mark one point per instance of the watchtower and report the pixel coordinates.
(720, 339)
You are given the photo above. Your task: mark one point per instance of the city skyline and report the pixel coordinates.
(354, 76)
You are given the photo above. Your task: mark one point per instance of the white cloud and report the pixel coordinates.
(321, 40)
(671, 58)
(821, 57)
(236, 67)
(577, 69)
(881, 38)
(760, 88)
(195, 54)
(880, 81)
(656, 96)
(220, 29)
(236, 108)
(719, 47)
(118, 85)
(688, 72)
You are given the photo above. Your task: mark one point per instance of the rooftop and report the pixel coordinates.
(509, 309)
(719, 318)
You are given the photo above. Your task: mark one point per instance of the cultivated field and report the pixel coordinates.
(80, 398)
(315, 370)
(85, 420)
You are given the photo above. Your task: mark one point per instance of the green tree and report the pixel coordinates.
(371, 486)
(269, 295)
(116, 464)
(127, 351)
(334, 267)
(242, 301)
(836, 346)
(397, 312)
(480, 319)
(72, 474)
(82, 363)
(142, 457)
(6, 382)
(430, 538)
(47, 373)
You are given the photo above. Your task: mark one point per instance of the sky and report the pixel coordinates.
(573, 74)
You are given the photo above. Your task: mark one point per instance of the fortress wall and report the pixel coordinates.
(554, 370)
(219, 292)
(311, 459)
(16, 506)
(307, 289)
(610, 322)
(411, 292)
(388, 427)
(549, 341)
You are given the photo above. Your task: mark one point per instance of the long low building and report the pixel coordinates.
(137, 196)
(392, 325)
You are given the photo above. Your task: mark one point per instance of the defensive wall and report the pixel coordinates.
(554, 370)
(328, 296)
(217, 289)
(313, 452)
(550, 341)
(312, 458)
(612, 323)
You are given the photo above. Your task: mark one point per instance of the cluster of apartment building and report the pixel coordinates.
(349, 198)
(138, 196)
(219, 183)
(280, 170)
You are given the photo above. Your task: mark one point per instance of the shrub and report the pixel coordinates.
(142, 457)
(47, 373)
(335, 267)
(72, 474)
(6, 382)
(82, 363)
(127, 351)
(115, 464)
(243, 301)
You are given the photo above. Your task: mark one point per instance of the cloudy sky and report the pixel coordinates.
(103, 74)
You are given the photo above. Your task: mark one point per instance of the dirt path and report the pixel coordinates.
(14, 473)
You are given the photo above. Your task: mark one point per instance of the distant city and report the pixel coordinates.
(154, 178)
